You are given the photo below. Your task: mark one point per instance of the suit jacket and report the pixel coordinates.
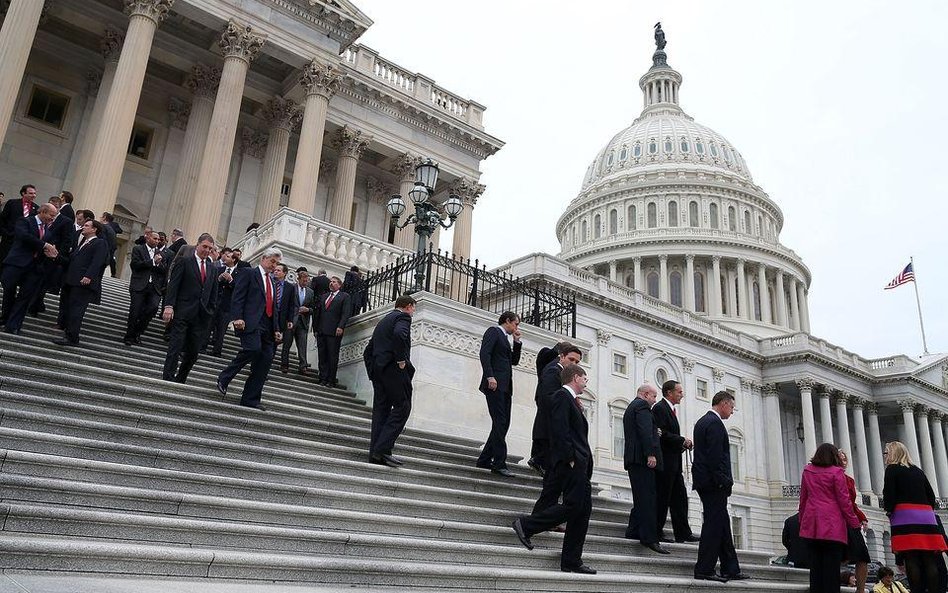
(87, 263)
(498, 359)
(391, 341)
(711, 468)
(13, 211)
(225, 290)
(286, 309)
(145, 273)
(108, 233)
(549, 380)
(326, 321)
(186, 294)
(671, 441)
(641, 435)
(250, 300)
(568, 431)
(27, 248)
(67, 212)
(320, 285)
(302, 320)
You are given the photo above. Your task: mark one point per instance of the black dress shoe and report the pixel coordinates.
(581, 569)
(657, 547)
(690, 539)
(536, 467)
(381, 460)
(62, 342)
(521, 534)
(502, 471)
(392, 459)
(482, 465)
(666, 540)
(735, 577)
(710, 577)
(257, 407)
(128, 343)
(221, 388)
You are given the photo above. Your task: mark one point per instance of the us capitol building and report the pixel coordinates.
(210, 115)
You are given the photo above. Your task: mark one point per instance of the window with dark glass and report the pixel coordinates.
(139, 145)
(674, 283)
(668, 145)
(651, 284)
(713, 214)
(652, 214)
(652, 147)
(714, 150)
(637, 150)
(693, 218)
(613, 222)
(731, 218)
(699, 292)
(597, 226)
(631, 220)
(684, 145)
(699, 146)
(47, 106)
(673, 213)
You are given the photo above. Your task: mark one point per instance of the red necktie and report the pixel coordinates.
(42, 230)
(269, 296)
(26, 208)
(329, 300)
(203, 272)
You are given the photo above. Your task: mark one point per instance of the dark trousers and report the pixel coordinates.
(300, 337)
(549, 494)
(390, 408)
(539, 450)
(327, 347)
(74, 300)
(717, 542)
(218, 331)
(642, 516)
(141, 310)
(925, 571)
(826, 557)
(257, 348)
(574, 510)
(495, 449)
(187, 337)
(20, 285)
(671, 495)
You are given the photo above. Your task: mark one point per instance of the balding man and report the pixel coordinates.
(31, 255)
(643, 455)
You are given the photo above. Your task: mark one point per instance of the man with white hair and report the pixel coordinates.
(254, 312)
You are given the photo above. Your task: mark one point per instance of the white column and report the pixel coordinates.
(202, 82)
(350, 143)
(826, 417)
(876, 462)
(111, 47)
(613, 270)
(911, 436)
(16, 40)
(764, 294)
(714, 297)
(469, 191)
(861, 454)
(637, 274)
(690, 282)
(781, 301)
(842, 429)
(281, 115)
(794, 305)
(809, 423)
(804, 308)
(663, 278)
(240, 45)
(941, 454)
(742, 296)
(104, 173)
(405, 170)
(774, 434)
(926, 447)
(320, 83)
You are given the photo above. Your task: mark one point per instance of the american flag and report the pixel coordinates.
(907, 275)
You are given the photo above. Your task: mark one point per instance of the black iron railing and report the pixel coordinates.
(466, 282)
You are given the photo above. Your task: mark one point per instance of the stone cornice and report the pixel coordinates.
(338, 25)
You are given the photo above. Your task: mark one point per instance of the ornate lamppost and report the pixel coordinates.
(426, 217)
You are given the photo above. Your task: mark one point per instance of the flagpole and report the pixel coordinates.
(918, 302)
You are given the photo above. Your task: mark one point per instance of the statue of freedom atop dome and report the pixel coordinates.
(659, 36)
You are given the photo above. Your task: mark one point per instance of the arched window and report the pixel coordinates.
(693, 218)
(756, 297)
(731, 218)
(637, 150)
(652, 146)
(613, 222)
(760, 225)
(630, 220)
(584, 233)
(597, 226)
(651, 284)
(624, 153)
(610, 159)
(674, 282)
(668, 146)
(747, 222)
(673, 213)
(713, 214)
(699, 293)
(699, 146)
(652, 213)
(684, 144)
(736, 441)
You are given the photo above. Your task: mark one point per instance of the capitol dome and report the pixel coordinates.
(669, 208)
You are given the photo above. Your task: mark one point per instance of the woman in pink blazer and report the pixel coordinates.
(825, 514)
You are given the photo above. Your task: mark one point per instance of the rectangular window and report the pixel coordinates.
(48, 107)
(284, 194)
(737, 530)
(618, 438)
(736, 463)
(139, 145)
(619, 364)
(702, 389)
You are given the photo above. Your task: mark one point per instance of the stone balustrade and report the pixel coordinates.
(318, 242)
(803, 341)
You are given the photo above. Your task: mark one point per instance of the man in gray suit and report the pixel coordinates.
(301, 324)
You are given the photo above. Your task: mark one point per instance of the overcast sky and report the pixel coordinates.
(837, 107)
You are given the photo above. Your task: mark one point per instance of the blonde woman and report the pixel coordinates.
(909, 501)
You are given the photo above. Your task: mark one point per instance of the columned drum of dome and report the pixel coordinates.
(671, 200)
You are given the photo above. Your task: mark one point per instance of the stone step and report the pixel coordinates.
(49, 553)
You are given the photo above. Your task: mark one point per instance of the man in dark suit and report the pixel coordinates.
(60, 233)
(798, 552)
(67, 210)
(320, 284)
(670, 485)
(286, 303)
(254, 312)
(111, 236)
(144, 287)
(189, 307)
(354, 285)
(12, 211)
(711, 478)
(227, 273)
(643, 456)
(239, 263)
(548, 383)
(329, 321)
(31, 255)
(571, 464)
(82, 283)
(498, 357)
(301, 324)
(388, 362)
